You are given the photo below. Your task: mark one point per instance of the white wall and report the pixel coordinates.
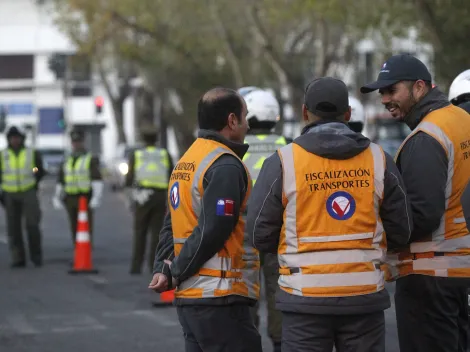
(26, 28)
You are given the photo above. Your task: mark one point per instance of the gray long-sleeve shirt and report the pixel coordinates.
(265, 214)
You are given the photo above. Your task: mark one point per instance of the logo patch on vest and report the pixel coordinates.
(341, 205)
(224, 207)
(175, 195)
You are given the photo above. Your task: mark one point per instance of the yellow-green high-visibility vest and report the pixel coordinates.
(151, 167)
(261, 147)
(77, 176)
(18, 170)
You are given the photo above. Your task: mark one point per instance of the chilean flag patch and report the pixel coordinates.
(224, 207)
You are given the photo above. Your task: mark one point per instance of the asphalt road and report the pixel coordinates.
(48, 310)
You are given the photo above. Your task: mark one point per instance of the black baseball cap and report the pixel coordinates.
(327, 97)
(402, 67)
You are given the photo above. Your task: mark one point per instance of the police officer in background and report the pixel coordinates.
(21, 170)
(459, 91)
(263, 114)
(149, 171)
(358, 117)
(79, 175)
(203, 250)
(328, 204)
(433, 270)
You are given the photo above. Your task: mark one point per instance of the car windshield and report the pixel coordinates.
(128, 151)
(51, 153)
(392, 131)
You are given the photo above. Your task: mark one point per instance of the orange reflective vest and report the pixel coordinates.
(446, 251)
(233, 270)
(332, 240)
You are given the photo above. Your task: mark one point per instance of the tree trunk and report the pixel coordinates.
(118, 108)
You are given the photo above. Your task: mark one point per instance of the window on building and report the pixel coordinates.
(80, 76)
(51, 120)
(16, 66)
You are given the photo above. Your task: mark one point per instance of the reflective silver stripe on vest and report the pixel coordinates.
(18, 178)
(77, 175)
(196, 196)
(439, 234)
(256, 154)
(155, 156)
(292, 259)
(209, 284)
(379, 179)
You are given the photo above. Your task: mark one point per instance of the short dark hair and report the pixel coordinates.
(428, 84)
(215, 106)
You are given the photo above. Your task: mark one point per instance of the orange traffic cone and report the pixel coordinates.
(166, 298)
(82, 260)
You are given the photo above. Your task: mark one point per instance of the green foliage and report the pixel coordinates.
(189, 46)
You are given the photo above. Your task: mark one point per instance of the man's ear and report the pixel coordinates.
(419, 89)
(304, 113)
(347, 115)
(232, 121)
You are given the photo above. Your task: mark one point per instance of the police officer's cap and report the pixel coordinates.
(15, 131)
(77, 135)
(150, 131)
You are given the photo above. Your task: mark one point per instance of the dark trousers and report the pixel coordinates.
(432, 314)
(71, 204)
(219, 329)
(18, 205)
(319, 333)
(270, 269)
(147, 217)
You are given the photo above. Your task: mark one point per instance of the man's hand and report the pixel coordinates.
(174, 282)
(159, 283)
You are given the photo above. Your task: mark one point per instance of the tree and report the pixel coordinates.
(447, 26)
(88, 24)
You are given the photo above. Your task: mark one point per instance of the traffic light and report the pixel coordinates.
(99, 104)
(61, 123)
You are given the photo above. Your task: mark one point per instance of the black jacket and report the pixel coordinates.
(423, 165)
(225, 178)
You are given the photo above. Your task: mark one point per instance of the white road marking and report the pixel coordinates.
(70, 323)
(98, 279)
(19, 323)
(3, 240)
(160, 319)
(57, 323)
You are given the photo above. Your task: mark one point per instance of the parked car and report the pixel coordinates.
(388, 133)
(118, 167)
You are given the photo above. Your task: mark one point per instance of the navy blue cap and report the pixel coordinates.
(402, 67)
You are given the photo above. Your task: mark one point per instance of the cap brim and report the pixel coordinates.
(377, 85)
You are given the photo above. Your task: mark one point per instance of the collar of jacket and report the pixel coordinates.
(330, 124)
(434, 100)
(258, 131)
(17, 150)
(78, 153)
(238, 148)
